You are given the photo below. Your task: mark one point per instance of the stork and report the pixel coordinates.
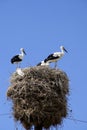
(18, 58)
(56, 56)
(43, 63)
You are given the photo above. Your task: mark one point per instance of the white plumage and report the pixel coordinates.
(42, 63)
(18, 58)
(20, 72)
(56, 56)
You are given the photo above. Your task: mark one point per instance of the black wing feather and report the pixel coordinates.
(15, 59)
(51, 57)
(39, 64)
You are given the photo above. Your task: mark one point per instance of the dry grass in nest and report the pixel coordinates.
(39, 97)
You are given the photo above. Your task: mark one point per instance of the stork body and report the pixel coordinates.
(43, 63)
(18, 58)
(56, 56)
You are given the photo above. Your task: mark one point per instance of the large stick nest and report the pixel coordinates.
(39, 97)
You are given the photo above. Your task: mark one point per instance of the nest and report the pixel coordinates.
(39, 97)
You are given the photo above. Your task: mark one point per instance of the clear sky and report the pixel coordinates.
(40, 27)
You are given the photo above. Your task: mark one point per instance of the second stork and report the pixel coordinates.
(56, 56)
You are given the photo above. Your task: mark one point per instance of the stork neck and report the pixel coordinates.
(62, 51)
(22, 53)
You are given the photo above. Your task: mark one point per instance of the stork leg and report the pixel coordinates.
(18, 65)
(55, 65)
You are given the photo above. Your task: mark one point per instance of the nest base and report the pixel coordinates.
(39, 97)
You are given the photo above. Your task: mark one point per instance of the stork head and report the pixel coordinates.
(63, 48)
(22, 50)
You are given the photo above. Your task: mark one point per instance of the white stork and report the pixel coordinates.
(18, 58)
(43, 63)
(56, 56)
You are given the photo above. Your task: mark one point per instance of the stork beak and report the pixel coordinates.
(24, 52)
(65, 50)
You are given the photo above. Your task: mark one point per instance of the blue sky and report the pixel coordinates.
(40, 27)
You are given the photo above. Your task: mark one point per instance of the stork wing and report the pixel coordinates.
(51, 57)
(15, 59)
(39, 64)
